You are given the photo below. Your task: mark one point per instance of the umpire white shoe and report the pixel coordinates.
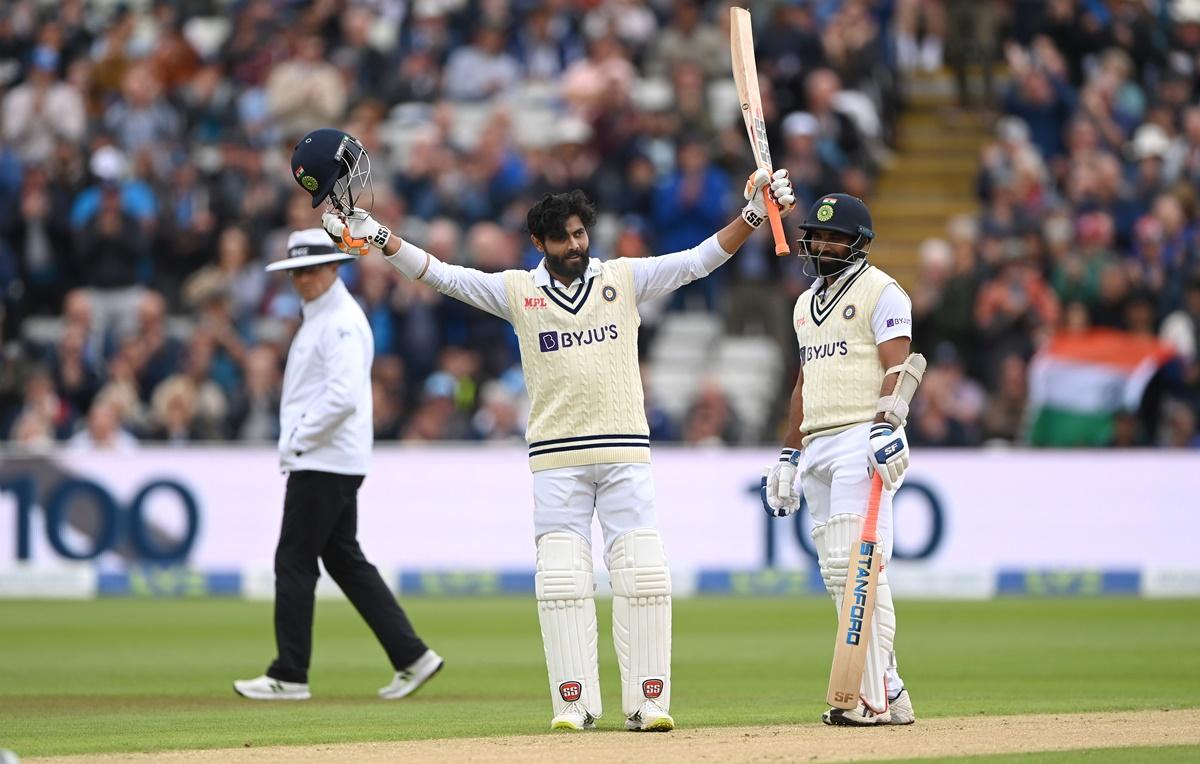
(651, 717)
(266, 688)
(575, 718)
(901, 709)
(407, 681)
(856, 717)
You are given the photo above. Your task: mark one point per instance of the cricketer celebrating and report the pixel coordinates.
(577, 321)
(854, 328)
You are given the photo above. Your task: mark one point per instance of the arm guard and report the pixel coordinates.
(894, 407)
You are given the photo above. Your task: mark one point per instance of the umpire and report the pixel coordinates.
(324, 446)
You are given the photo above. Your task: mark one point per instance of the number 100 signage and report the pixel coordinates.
(116, 526)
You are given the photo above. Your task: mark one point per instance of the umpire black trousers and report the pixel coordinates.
(320, 520)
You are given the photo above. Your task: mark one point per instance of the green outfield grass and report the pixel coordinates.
(144, 675)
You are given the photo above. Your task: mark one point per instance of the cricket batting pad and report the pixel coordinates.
(641, 586)
(834, 541)
(567, 614)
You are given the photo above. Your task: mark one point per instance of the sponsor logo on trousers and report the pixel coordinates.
(652, 688)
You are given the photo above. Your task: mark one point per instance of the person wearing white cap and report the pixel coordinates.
(324, 447)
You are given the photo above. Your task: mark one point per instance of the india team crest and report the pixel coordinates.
(309, 182)
(610, 294)
(824, 213)
(848, 312)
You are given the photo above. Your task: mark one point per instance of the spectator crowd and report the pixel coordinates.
(144, 183)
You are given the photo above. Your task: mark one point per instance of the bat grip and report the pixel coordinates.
(781, 243)
(871, 524)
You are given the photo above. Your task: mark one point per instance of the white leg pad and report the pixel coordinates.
(641, 584)
(566, 597)
(880, 657)
(833, 541)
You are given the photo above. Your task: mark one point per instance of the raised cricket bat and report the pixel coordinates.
(745, 74)
(858, 606)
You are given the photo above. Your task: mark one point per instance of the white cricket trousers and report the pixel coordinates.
(836, 482)
(621, 495)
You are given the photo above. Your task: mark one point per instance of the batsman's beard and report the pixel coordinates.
(565, 268)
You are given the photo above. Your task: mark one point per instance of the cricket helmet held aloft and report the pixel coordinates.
(331, 164)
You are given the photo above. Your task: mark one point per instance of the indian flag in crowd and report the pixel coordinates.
(1078, 382)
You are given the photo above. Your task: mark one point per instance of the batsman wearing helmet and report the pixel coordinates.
(846, 421)
(589, 447)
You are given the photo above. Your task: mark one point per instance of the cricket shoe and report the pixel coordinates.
(901, 709)
(266, 688)
(575, 718)
(651, 717)
(410, 679)
(856, 717)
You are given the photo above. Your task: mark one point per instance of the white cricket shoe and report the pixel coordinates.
(651, 717)
(407, 682)
(266, 688)
(856, 717)
(901, 709)
(575, 718)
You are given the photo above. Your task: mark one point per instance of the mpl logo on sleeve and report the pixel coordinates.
(570, 691)
(652, 688)
(535, 303)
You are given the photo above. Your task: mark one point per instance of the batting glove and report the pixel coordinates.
(888, 454)
(357, 233)
(781, 191)
(778, 487)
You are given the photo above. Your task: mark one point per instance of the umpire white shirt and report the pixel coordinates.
(325, 421)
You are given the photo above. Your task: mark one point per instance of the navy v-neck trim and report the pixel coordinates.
(820, 314)
(571, 303)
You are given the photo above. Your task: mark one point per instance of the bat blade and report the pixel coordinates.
(745, 76)
(858, 609)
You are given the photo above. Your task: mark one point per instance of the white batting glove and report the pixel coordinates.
(778, 487)
(888, 453)
(782, 192)
(357, 233)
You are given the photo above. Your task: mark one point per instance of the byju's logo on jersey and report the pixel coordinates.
(810, 353)
(548, 342)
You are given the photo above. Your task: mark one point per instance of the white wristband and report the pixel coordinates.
(410, 260)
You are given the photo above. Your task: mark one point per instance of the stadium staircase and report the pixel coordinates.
(931, 175)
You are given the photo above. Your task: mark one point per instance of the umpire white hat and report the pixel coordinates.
(312, 246)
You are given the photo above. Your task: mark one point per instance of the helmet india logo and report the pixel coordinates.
(824, 213)
(309, 182)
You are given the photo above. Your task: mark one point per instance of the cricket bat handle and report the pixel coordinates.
(781, 243)
(871, 523)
